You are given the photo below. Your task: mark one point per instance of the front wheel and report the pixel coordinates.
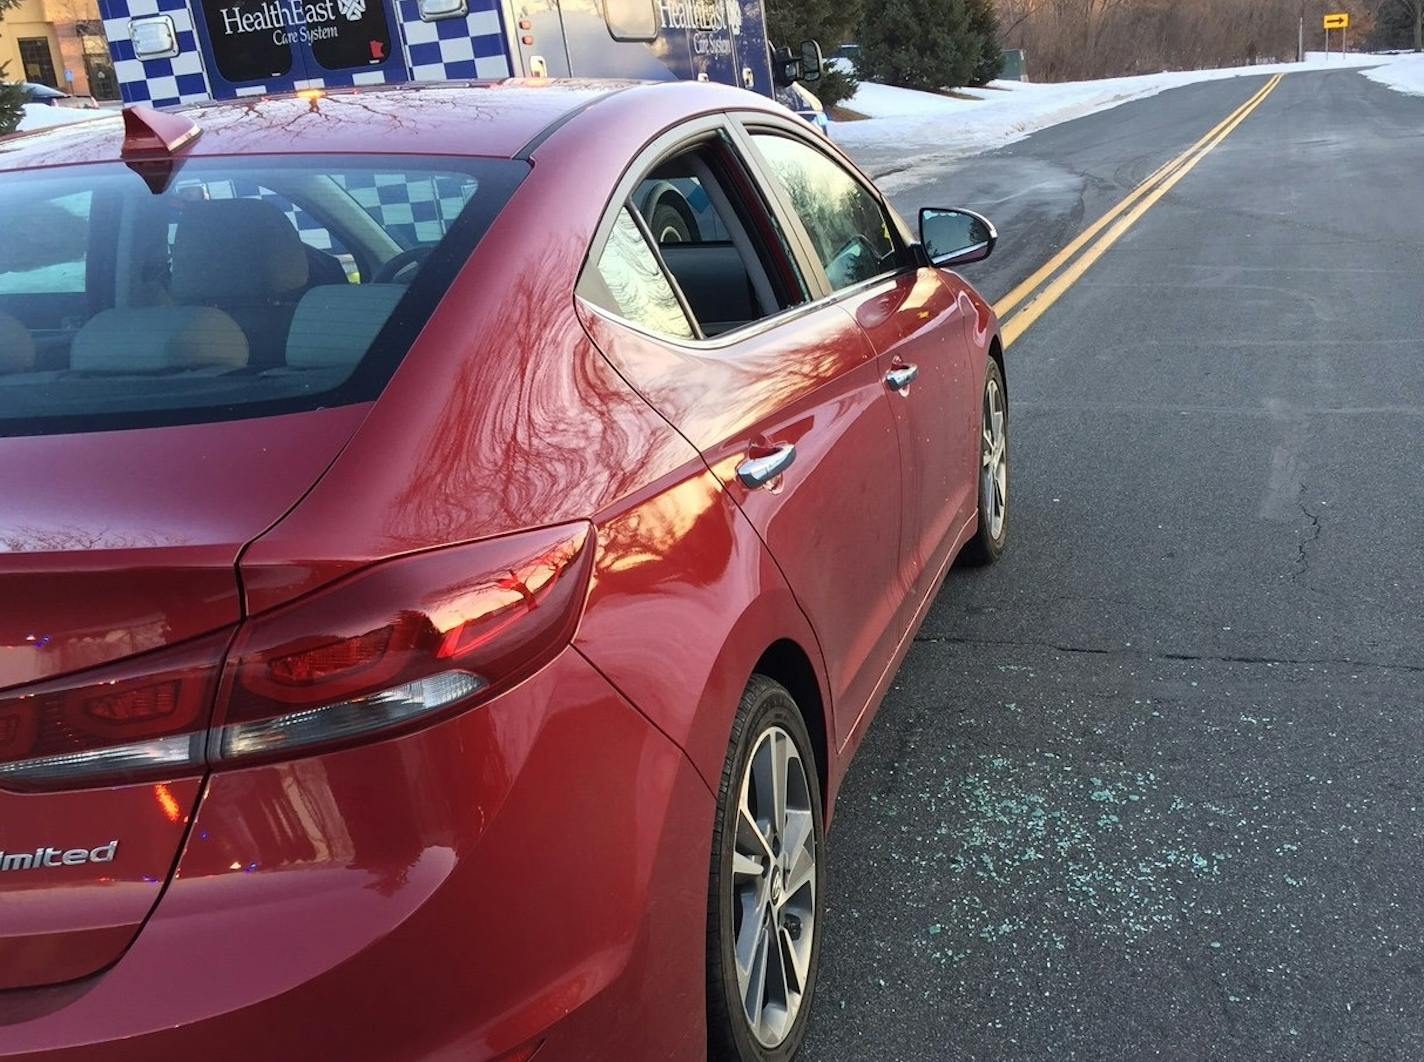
(993, 532)
(763, 938)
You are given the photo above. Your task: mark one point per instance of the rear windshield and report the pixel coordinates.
(239, 288)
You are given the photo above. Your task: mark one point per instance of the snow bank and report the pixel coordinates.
(42, 116)
(1404, 73)
(905, 125)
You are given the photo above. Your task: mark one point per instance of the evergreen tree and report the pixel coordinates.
(789, 22)
(984, 25)
(12, 100)
(919, 44)
(830, 22)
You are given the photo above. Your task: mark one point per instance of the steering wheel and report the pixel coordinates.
(398, 264)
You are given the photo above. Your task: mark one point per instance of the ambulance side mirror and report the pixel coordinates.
(787, 67)
(812, 62)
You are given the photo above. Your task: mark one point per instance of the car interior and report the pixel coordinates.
(725, 276)
(188, 285)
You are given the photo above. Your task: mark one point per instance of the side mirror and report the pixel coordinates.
(812, 62)
(786, 68)
(956, 237)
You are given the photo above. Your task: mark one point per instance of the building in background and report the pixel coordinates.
(59, 43)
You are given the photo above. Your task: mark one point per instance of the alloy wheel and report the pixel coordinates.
(994, 460)
(774, 887)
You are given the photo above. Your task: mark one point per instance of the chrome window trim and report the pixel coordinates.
(680, 138)
(711, 344)
(687, 135)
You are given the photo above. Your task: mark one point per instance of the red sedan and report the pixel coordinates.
(453, 541)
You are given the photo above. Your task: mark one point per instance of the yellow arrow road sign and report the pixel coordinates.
(1339, 20)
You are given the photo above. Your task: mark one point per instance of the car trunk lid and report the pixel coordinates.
(118, 554)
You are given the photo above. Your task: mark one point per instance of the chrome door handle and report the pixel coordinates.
(757, 472)
(901, 377)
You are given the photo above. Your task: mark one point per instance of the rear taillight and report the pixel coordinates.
(391, 646)
(401, 640)
(144, 717)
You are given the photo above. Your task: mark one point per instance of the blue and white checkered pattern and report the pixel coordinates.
(453, 49)
(160, 82)
(413, 211)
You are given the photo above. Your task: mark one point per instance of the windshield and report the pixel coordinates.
(243, 287)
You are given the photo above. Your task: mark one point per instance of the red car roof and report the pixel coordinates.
(489, 118)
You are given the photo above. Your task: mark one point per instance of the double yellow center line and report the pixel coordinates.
(1042, 289)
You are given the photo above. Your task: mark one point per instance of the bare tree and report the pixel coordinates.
(1416, 14)
(1075, 39)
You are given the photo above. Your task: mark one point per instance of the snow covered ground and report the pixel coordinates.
(905, 126)
(1404, 73)
(42, 116)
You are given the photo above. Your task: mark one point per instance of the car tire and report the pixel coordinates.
(992, 471)
(763, 899)
(669, 225)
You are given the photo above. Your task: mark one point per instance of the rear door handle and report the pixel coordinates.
(757, 472)
(900, 377)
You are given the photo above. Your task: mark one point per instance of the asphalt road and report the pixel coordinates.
(1151, 787)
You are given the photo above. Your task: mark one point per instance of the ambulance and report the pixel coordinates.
(169, 52)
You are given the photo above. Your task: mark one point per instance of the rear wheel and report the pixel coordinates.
(993, 532)
(668, 224)
(763, 937)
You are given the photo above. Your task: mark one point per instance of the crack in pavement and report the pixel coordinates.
(1205, 658)
(1302, 559)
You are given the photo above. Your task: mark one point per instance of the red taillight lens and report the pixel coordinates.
(390, 646)
(138, 705)
(308, 667)
(145, 717)
(402, 640)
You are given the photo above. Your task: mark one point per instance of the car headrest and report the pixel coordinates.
(235, 248)
(335, 323)
(714, 280)
(158, 339)
(17, 346)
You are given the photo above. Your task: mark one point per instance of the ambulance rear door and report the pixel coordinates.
(253, 47)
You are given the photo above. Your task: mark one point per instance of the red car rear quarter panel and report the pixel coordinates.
(312, 892)
(503, 416)
(685, 601)
(817, 388)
